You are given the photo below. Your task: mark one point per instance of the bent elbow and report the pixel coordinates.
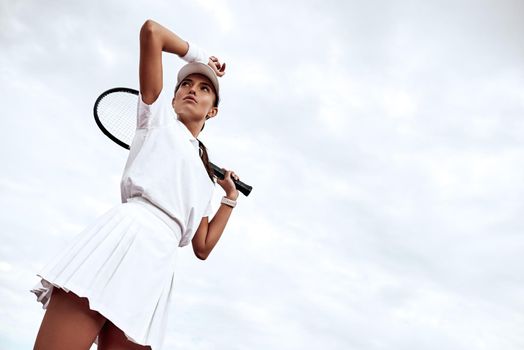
(200, 252)
(201, 255)
(148, 28)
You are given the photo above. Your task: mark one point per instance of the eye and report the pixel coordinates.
(205, 88)
(185, 83)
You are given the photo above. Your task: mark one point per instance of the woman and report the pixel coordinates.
(113, 283)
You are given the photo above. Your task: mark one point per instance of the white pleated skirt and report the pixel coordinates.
(123, 263)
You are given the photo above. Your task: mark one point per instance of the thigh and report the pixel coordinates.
(68, 323)
(112, 338)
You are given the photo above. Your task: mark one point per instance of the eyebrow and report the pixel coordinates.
(203, 82)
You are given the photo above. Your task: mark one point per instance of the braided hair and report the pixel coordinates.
(205, 160)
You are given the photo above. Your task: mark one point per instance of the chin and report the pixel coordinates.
(188, 117)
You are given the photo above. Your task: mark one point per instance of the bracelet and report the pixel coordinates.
(229, 202)
(195, 54)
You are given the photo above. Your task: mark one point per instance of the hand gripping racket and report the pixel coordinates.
(115, 114)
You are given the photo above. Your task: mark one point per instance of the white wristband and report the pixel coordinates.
(228, 202)
(195, 54)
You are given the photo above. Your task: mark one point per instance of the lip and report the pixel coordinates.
(191, 98)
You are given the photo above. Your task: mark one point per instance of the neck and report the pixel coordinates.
(194, 127)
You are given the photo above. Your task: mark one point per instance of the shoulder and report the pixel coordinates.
(157, 113)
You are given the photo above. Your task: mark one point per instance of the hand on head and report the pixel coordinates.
(219, 68)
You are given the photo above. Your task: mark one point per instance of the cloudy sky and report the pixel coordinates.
(383, 139)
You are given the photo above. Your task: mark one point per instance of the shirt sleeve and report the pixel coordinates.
(208, 209)
(159, 113)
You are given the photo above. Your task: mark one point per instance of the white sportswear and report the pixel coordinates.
(164, 167)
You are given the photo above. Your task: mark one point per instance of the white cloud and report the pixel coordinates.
(5, 266)
(220, 11)
(108, 55)
(400, 104)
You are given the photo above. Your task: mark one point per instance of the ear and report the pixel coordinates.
(212, 113)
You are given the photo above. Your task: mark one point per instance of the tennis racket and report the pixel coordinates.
(115, 114)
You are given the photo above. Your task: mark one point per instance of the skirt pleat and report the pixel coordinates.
(123, 263)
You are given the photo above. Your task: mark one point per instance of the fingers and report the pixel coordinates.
(231, 174)
(234, 176)
(228, 183)
(215, 63)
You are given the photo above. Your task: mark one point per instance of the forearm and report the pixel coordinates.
(216, 227)
(212, 232)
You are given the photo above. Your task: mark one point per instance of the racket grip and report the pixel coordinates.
(245, 189)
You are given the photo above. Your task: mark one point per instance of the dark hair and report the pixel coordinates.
(205, 160)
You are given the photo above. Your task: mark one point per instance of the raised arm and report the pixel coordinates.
(154, 39)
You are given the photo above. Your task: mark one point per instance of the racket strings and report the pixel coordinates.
(115, 110)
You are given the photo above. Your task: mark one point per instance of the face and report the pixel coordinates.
(194, 99)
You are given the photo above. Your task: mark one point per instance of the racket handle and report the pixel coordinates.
(245, 189)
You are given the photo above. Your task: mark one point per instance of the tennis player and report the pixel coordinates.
(113, 284)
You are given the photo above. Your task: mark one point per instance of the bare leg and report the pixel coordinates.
(68, 323)
(112, 338)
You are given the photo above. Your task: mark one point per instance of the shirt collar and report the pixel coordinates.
(188, 133)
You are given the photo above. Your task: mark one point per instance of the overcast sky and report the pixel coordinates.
(383, 140)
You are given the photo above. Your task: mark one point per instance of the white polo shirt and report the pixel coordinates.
(164, 166)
